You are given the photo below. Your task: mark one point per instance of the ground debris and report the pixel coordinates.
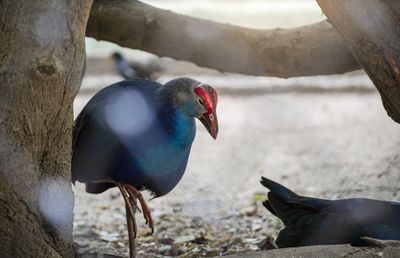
(185, 236)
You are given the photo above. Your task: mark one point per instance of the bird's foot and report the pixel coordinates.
(146, 211)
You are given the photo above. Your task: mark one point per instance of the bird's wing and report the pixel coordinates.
(79, 123)
(101, 133)
(367, 211)
(86, 114)
(97, 102)
(84, 126)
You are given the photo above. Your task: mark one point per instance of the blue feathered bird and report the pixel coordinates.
(312, 221)
(137, 134)
(134, 69)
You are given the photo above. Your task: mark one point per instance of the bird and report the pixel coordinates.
(132, 70)
(136, 135)
(313, 221)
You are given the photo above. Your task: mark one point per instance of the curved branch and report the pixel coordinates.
(309, 50)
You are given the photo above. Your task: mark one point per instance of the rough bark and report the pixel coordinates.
(310, 50)
(371, 29)
(42, 56)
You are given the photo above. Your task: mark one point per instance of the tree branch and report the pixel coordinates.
(371, 30)
(310, 50)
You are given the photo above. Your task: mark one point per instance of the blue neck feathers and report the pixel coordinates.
(181, 127)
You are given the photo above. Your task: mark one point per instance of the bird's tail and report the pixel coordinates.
(281, 191)
(96, 188)
(287, 206)
(282, 202)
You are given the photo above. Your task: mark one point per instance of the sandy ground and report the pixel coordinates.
(330, 144)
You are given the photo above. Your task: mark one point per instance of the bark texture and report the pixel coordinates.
(42, 56)
(310, 50)
(371, 29)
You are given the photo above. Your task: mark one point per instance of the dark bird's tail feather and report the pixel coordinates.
(279, 190)
(305, 221)
(288, 212)
(269, 207)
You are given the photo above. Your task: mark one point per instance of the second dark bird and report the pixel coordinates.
(134, 69)
(313, 221)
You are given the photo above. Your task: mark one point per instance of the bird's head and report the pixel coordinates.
(206, 100)
(116, 56)
(197, 100)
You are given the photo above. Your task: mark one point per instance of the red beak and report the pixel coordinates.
(210, 122)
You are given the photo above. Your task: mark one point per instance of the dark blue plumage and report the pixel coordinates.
(312, 221)
(136, 135)
(136, 132)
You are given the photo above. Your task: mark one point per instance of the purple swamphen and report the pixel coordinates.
(312, 221)
(134, 69)
(136, 135)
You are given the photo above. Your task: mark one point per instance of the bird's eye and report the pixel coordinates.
(201, 102)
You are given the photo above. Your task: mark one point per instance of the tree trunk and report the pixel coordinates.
(371, 29)
(309, 50)
(42, 56)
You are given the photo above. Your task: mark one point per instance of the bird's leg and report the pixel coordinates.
(146, 211)
(131, 233)
(130, 209)
(130, 219)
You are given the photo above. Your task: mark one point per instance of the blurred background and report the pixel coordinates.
(322, 136)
